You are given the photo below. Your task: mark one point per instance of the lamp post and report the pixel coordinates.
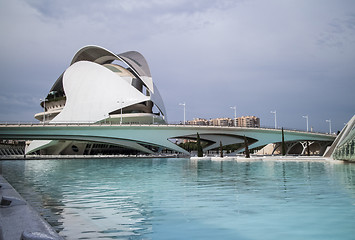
(153, 118)
(121, 109)
(274, 112)
(306, 117)
(44, 109)
(184, 104)
(235, 115)
(330, 125)
(105, 117)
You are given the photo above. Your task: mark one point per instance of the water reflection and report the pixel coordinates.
(152, 198)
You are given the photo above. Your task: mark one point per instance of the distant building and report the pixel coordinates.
(221, 122)
(248, 121)
(198, 121)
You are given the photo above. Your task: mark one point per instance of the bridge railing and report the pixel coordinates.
(83, 123)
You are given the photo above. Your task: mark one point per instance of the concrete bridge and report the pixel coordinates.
(152, 138)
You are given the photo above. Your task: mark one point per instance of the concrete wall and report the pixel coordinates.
(18, 220)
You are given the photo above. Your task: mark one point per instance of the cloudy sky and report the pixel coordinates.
(295, 57)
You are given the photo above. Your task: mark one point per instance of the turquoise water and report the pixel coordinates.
(189, 199)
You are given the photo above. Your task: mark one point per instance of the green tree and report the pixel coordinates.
(221, 149)
(199, 147)
(283, 146)
(247, 154)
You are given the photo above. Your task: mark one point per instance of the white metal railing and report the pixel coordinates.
(83, 123)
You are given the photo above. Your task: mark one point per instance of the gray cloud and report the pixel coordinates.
(339, 33)
(295, 57)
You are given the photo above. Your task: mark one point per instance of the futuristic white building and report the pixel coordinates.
(101, 90)
(100, 86)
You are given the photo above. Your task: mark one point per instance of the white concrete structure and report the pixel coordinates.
(343, 147)
(100, 86)
(152, 139)
(103, 103)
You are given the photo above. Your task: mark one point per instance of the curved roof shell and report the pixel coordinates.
(95, 86)
(134, 60)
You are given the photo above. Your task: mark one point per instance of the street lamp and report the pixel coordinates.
(121, 110)
(184, 104)
(44, 109)
(330, 125)
(306, 117)
(106, 116)
(154, 116)
(274, 112)
(235, 115)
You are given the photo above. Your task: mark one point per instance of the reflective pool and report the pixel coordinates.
(189, 199)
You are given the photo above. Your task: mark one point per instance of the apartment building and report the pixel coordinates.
(248, 121)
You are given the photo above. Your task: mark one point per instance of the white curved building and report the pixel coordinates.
(100, 86)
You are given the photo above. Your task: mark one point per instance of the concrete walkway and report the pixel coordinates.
(18, 220)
